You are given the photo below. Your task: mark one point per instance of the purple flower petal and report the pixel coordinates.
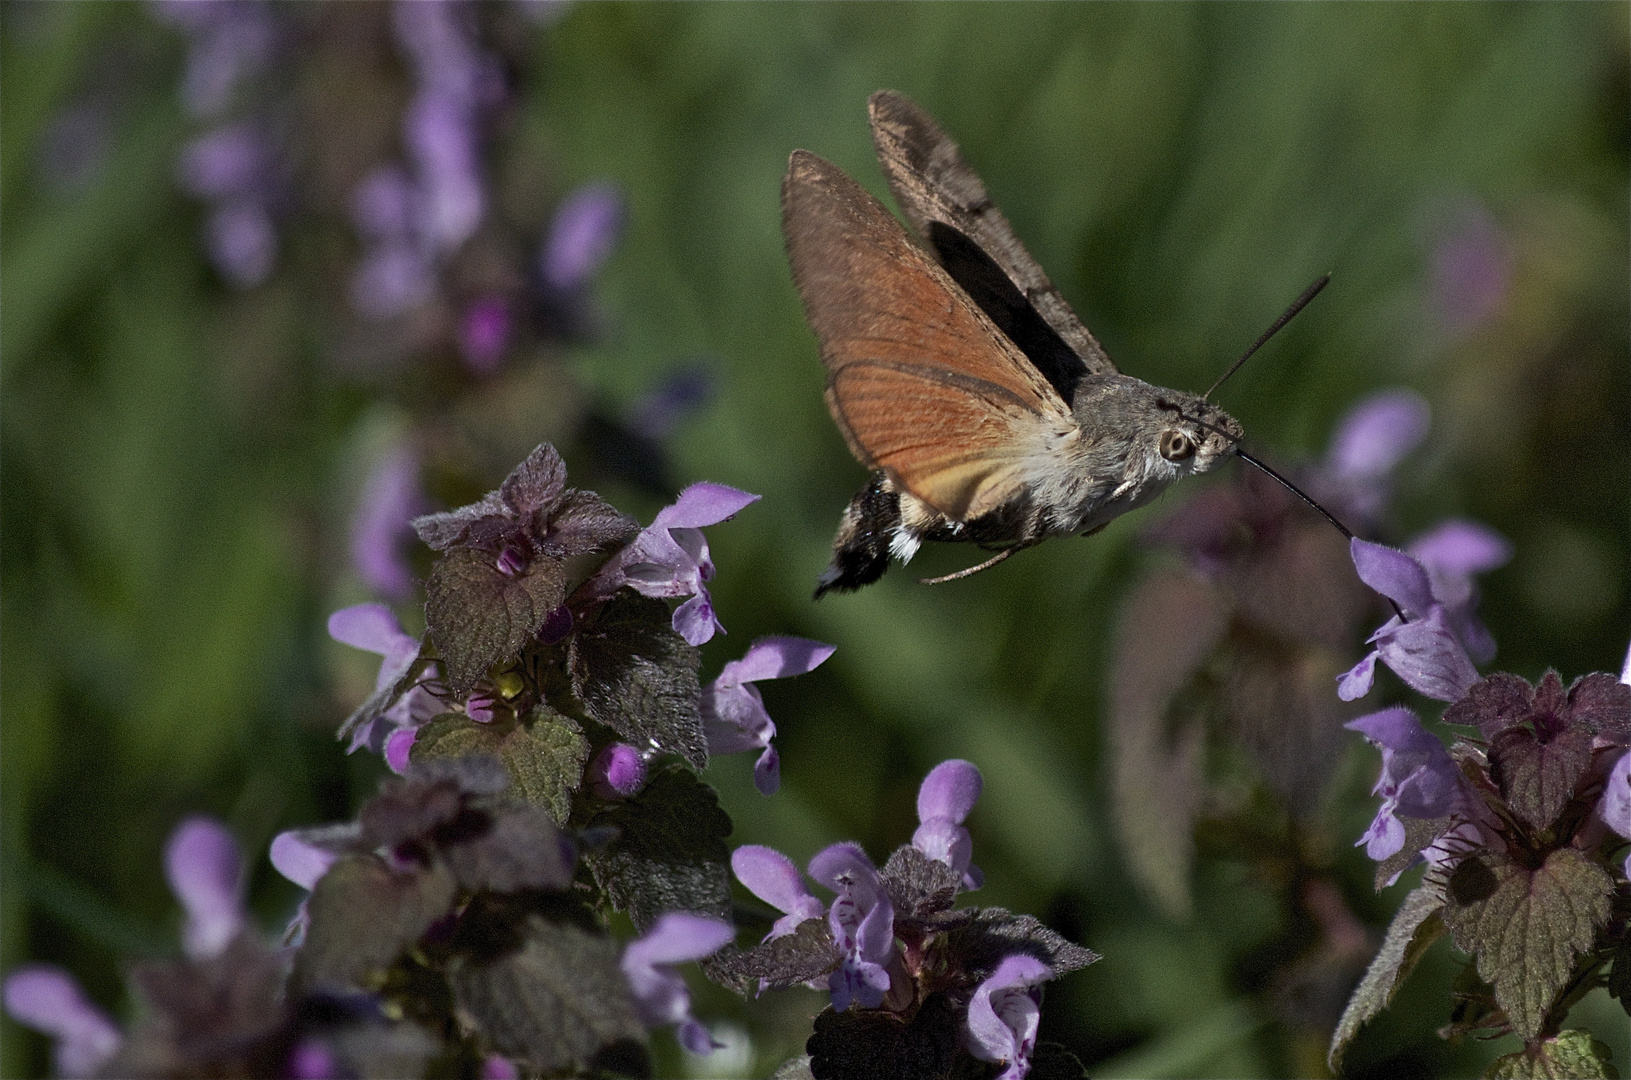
(394, 278)
(1460, 548)
(617, 772)
(484, 334)
(949, 791)
(1471, 270)
(497, 1067)
(205, 871)
(374, 628)
(390, 500)
(300, 862)
(441, 138)
(1377, 433)
(1357, 681)
(1003, 1015)
(703, 504)
(767, 772)
(242, 241)
(773, 878)
(776, 658)
(225, 162)
(1393, 574)
(1427, 655)
(1615, 807)
(862, 921)
(398, 747)
(48, 1000)
(584, 231)
(695, 620)
(382, 205)
(695, 1038)
(1419, 779)
(660, 994)
(311, 1059)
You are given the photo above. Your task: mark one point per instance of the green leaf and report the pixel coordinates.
(670, 852)
(1415, 927)
(479, 616)
(1572, 1055)
(1538, 777)
(558, 1002)
(544, 753)
(634, 674)
(363, 914)
(1526, 927)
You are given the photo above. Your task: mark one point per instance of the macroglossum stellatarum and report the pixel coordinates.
(987, 411)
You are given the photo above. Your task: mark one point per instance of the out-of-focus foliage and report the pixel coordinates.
(180, 457)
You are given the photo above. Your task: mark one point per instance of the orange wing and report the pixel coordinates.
(920, 381)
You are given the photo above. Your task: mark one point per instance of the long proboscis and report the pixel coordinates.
(1285, 317)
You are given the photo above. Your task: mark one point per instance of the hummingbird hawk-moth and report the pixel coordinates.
(958, 374)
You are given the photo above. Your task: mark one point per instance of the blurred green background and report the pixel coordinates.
(180, 457)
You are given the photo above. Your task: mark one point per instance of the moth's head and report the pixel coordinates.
(1192, 435)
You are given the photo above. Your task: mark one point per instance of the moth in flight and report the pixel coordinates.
(959, 375)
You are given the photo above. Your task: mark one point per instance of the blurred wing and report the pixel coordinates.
(920, 381)
(946, 202)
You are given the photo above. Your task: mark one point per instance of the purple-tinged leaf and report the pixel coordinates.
(1493, 703)
(478, 616)
(363, 915)
(636, 676)
(1537, 773)
(543, 753)
(780, 961)
(1527, 927)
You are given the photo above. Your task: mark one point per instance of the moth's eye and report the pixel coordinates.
(1176, 446)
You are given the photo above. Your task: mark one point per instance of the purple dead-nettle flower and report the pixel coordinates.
(773, 878)
(205, 871)
(51, 1002)
(1423, 651)
(1471, 269)
(1004, 1014)
(1615, 806)
(581, 235)
(228, 45)
(862, 921)
(303, 863)
(733, 713)
(1419, 779)
(391, 498)
(497, 1067)
(1452, 553)
(242, 241)
(618, 772)
(669, 559)
(311, 1059)
(1370, 441)
(226, 162)
(944, 800)
(374, 628)
(659, 992)
(484, 334)
(532, 514)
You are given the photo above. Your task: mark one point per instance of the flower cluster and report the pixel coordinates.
(1523, 821)
(235, 164)
(891, 942)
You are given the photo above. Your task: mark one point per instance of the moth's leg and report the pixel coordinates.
(860, 550)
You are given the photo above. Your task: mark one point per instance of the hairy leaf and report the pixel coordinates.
(634, 674)
(807, 953)
(1537, 776)
(1527, 930)
(919, 886)
(978, 947)
(557, 1002)
(867, 1045)
(669, 854)
(479, 616)
(509, 849)
(363, 914)
(377, 703)
(1572, 1055)
(1415, 927)
(543, 753)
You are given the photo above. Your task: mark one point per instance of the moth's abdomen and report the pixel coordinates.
(861, 549)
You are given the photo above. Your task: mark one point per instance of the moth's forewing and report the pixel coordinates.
(920, 380)
(946, 202)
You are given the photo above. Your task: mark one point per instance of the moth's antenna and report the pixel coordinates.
(1297, 491)
(1296, 306)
